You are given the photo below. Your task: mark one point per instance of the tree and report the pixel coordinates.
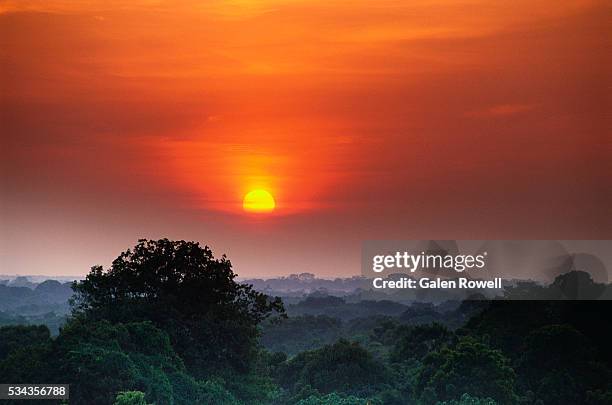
(24, 354)
(212, 392)
(414, 342)
(100, 359)
(344, 367)
(336, 399)
(466, 399)
(559, 365)
(506, 323)
(179, 286)
(130, 398)
(299, 333)
(577, 285)
(469, 367)
(16, 337)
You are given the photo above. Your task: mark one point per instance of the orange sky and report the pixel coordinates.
(365, 119)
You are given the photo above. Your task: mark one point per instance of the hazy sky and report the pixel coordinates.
(371, 119)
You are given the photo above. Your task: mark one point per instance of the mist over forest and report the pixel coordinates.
(168, 323)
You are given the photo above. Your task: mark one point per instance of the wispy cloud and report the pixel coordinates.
(501, 110)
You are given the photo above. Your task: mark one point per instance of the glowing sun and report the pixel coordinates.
(259, 201)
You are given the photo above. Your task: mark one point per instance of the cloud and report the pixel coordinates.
(501, 110)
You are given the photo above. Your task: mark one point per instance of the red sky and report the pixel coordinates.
(370, 119)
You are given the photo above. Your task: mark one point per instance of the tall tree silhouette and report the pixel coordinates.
(211, 319)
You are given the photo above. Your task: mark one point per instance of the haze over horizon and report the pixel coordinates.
(364, 120)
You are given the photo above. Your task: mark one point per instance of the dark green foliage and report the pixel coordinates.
(416, 341)
(50, 319)
(130, 398)
(100, 359)
(296, 334)
(13, 338)
(599, 397)
(506, 323)
(560, 365)
(468, 367)
(420, 313)
(185, 291)
(337, 399)
(344, 366)
(466, 399)
(560, 349)
(337, 307)
(24, 353)
(212, 392)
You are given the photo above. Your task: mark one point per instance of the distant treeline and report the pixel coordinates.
(39, 303)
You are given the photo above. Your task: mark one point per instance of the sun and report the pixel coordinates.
(258, 201)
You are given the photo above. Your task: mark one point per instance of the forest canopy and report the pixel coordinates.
(169, 324)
